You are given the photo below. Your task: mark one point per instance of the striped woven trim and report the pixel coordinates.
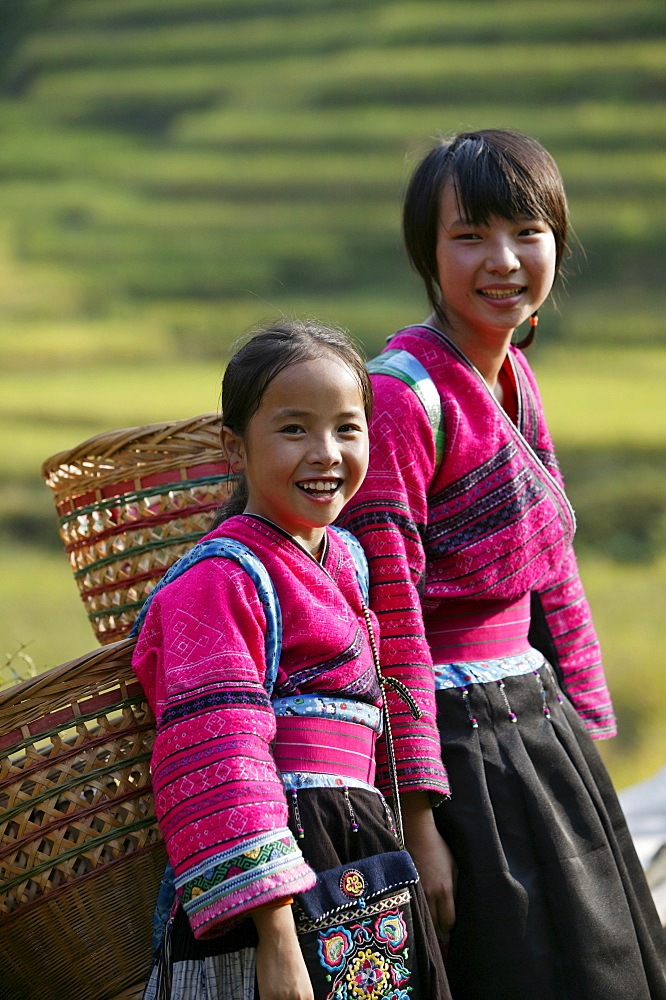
(238, 869)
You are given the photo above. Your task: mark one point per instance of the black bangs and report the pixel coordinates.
(488, 182)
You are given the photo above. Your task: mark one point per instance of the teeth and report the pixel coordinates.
(320, 485)
(495, 293)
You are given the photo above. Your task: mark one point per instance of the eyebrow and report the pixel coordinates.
(465, 223)
(289, 413)
(462, 222)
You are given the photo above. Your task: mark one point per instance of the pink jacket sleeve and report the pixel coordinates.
(578, 655)
(219, 800)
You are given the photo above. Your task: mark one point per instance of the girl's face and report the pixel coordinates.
(305, 451)
(492, 276)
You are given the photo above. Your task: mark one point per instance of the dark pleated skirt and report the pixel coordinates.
(330, 841)
(552, 903)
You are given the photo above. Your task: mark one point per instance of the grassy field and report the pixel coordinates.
(174, 171)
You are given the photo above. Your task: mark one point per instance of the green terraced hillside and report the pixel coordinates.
(192, 165)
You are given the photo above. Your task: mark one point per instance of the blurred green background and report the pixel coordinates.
(173, 171)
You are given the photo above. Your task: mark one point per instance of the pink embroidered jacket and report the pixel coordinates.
(200, 656)
(492, 522)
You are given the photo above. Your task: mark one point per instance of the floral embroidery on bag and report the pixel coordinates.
(334, 947)
(391, 929)
(368, 975)
(367, 959)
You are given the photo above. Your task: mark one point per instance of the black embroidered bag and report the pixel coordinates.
(355, 930)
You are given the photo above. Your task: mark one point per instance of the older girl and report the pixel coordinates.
(468, 532)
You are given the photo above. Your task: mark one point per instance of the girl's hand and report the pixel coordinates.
(432, 857)
(281, 970)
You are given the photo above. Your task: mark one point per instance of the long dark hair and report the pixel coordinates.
(255, 364)
(494, 172)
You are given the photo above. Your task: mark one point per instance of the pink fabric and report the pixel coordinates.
(325, 746)
(492, 522)
(200, 657)
(477, 630)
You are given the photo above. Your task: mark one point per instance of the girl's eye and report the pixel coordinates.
(533, 227)
(468, 236)
(291, 429)
(348, 429)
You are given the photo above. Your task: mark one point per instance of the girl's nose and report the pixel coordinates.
(326, 452)
(502, 258)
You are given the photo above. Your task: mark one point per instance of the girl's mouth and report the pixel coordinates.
(502, 293)
(320, 487)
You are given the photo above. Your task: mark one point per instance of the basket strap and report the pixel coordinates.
(230, 548)
(404, 366)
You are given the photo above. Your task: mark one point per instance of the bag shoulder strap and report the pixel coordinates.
(230, 548)
(404, 366)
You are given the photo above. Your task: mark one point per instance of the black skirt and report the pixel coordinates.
(327, 817)
(552, 903)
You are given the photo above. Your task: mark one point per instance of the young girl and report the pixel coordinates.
(468, 534)
(243, 836)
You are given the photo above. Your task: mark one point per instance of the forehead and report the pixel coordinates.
(323, 381)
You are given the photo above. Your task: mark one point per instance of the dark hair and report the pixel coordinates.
(494, 172)
(253, 367)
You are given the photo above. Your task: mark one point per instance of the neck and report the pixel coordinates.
(314, 542)
(486, 351)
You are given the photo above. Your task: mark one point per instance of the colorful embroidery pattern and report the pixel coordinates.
(367, 959)
(236, 870)
(334, 947)
(391, 930)
(368, 975)
(352, 883)
(213, 700)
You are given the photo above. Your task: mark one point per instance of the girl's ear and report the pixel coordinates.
(234, 448)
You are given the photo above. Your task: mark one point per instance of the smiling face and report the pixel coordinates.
(492, 275)
(305, 450)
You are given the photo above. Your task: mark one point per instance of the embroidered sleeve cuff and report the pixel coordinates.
(220, 890)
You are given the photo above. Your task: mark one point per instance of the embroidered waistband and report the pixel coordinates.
(328, 746)
(459, 675)
(330, 707)
(298, 780)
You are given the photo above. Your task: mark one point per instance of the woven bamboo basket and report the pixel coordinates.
(81, 855)
(130, 503)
